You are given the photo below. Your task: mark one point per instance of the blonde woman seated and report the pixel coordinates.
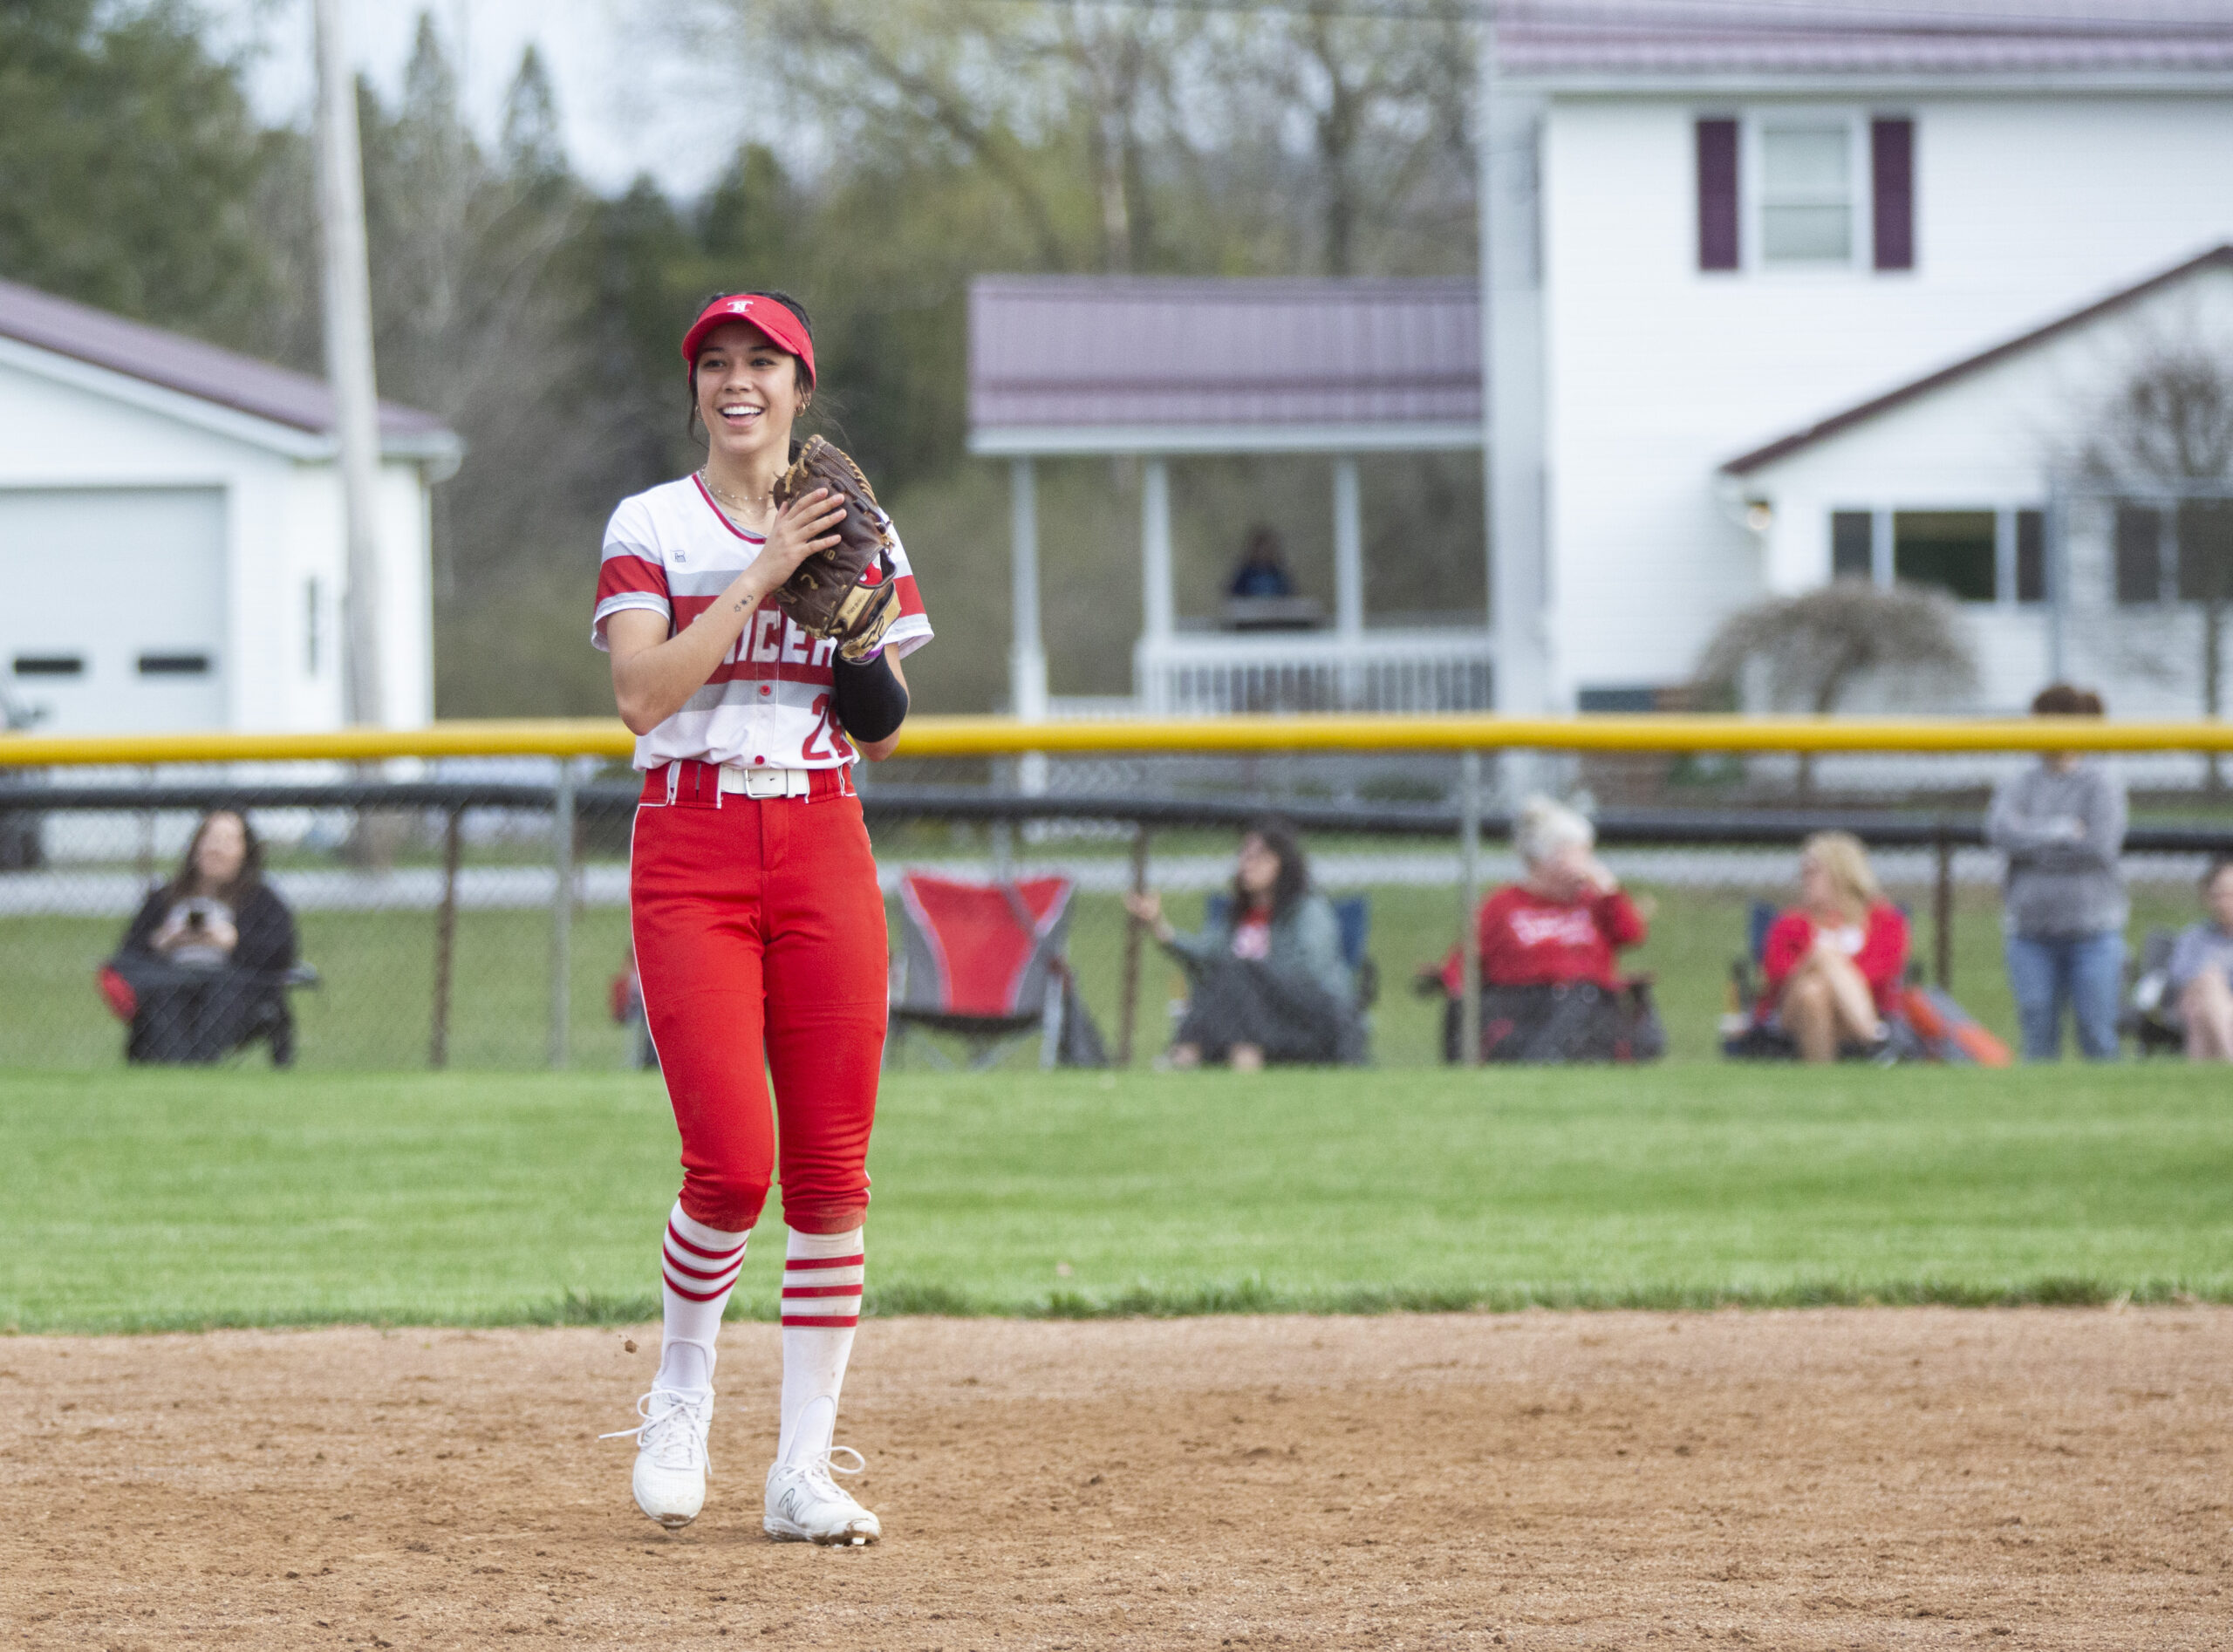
(2201, 971)
(1835, 963)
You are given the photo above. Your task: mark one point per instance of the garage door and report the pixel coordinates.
(113, 614)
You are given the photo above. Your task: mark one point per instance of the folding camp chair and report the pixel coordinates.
(986, 963)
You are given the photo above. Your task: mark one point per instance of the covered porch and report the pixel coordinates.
(1160, 370)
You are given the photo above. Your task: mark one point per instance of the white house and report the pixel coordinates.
(1770, 300)
(170, 536)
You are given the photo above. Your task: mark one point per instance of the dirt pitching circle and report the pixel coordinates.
(1831, 1478)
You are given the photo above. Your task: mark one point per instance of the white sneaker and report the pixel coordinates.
(671, 1461)
(805, 1506)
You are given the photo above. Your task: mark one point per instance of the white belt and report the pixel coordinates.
(766, 782)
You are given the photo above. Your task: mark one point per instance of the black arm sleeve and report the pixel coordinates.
(870, 703)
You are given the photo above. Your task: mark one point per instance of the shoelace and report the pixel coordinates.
(817, 1474)
(654, 1435)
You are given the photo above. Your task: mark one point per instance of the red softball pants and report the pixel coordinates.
(760, 940)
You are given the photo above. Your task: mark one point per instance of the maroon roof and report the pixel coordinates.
(187, 364)
(2217, 257)
(1647, 38)
(1149, 351)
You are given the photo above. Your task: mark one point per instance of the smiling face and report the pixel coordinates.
(223, 851)
(749, 393)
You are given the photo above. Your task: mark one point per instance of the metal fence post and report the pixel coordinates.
(562, 910)
(1942, 912)
(1469, 897)
(1128, 1013)
(438, 1040)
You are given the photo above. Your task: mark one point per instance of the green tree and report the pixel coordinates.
(130, 166)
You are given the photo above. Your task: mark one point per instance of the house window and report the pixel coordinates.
(1852, 536)
(1808, 179)
(49, 664)
(2205, 550)
(1806, 193)
(1951, 550)
(174, 665)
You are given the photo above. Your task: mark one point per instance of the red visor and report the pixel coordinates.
(771, 316)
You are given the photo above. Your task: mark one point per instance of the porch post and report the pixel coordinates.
(1026, 650)
(1516, 461)
(1155, 585)
(1348, 577)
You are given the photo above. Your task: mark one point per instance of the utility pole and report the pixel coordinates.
(348, 291)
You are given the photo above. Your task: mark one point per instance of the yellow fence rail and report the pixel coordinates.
(929, 736)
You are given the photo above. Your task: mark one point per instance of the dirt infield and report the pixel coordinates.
(1837, 1479)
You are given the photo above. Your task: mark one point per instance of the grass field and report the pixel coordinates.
(373, 1012)
(145, 1199)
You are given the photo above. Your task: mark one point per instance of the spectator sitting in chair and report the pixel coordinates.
(1265, 979)
(1550, 988)
(1835, 964)
(198, 970)
(2202, 970)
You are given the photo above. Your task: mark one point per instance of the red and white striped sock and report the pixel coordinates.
(698, 1268)
(821, 1305)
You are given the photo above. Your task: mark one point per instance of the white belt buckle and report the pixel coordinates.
(764, 782)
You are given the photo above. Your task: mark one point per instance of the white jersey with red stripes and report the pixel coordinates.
(672, 551)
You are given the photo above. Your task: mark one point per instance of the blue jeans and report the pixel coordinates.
(2087, 972)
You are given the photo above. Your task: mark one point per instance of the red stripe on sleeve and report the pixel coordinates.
(616, 576)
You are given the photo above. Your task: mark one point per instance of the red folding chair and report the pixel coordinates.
(984, 962)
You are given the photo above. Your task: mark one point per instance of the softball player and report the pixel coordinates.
(759, 929)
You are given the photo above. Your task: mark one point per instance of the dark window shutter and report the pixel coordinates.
(1852, 544)
(1892, 169)
(2031, 556)
(2140, 564)
(1716, 195)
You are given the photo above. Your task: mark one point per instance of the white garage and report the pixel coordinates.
(171, 538)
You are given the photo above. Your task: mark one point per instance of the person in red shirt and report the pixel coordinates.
(1564, 921)
(1835, 963)
(1562, 925)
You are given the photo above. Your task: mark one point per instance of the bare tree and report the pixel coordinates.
(2165, 437)
(1807, 652)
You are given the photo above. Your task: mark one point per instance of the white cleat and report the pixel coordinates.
(805, 1506)
(671, 1461)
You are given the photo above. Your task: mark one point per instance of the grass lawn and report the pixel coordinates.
(148, 1200)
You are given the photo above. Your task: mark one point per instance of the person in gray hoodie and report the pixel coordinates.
(1266, 976)
(2061, 824)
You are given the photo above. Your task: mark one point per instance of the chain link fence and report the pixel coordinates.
(474, 914)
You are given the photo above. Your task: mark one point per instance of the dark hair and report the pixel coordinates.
(798, 367)
(2061, 700)
(2218, 865)
(1293, 881)
(187, 881)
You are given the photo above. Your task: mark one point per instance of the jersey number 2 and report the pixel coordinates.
(825, 728)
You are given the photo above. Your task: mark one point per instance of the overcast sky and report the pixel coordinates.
(631, 99)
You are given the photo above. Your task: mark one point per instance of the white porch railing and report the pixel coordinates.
(1209, 673)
